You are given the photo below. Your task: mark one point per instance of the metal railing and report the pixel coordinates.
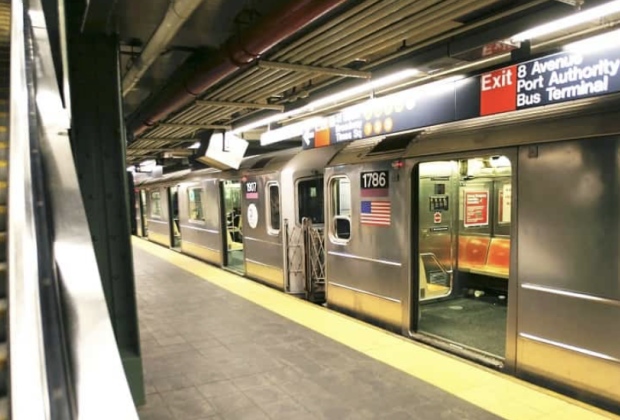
(63, 358)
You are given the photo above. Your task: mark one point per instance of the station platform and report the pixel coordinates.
(218, 346)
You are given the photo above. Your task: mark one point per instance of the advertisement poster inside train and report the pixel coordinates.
(505, 201)
(476, 208)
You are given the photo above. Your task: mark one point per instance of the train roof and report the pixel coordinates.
(295, 159)
(373, 149)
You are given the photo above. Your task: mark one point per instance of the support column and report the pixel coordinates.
(98, 142)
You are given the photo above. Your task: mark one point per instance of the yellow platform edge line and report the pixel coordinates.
(503, 395)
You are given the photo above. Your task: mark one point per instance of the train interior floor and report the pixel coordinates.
(235, 260)
(479, 323)
(218, 346)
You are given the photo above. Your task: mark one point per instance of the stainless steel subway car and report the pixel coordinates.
(257, 221)
(497, 238)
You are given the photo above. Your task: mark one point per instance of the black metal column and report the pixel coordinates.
(98, 141)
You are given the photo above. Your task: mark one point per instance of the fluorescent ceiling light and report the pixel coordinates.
(595, 43)
(289, 131)
(146, 164)
(332, 99)
(363, 88)
(268, 120)
(195, 145)
(569, 21)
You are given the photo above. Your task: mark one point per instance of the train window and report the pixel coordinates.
(155, 204)
(341, 208)
(273, 209)
(196, 211)
(310, 200)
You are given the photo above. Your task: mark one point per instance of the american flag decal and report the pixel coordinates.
(376, 213)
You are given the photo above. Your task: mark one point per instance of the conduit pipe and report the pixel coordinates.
(178, 12)
(236, 53)
(391, 27)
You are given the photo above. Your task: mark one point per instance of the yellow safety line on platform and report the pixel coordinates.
(500, 394)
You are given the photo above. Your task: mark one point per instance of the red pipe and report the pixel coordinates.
(234, 54)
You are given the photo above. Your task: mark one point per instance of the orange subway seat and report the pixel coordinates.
(472, 251)
(499, 255)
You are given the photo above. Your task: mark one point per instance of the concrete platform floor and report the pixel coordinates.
(212, 353)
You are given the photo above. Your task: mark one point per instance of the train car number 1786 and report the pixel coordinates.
(375, 179)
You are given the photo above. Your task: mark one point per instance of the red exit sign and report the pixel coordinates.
(498, 91)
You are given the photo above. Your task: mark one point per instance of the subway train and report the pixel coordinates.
(495, 238)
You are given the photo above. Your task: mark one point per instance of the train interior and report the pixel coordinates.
(231, 191)
(464, 212)
(175, 228)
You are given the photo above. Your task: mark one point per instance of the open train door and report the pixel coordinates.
(232, 220)
(462, 228)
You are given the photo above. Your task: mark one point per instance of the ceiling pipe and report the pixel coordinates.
(237, 52)
(178, 12)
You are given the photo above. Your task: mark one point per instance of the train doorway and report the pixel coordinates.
(175, 228)
(233, 226)
(463, 211)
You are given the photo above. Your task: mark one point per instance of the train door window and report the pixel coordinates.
(196, 211)
(310, 200)
(340, 206)
(273, 208)
(463, 217)
(156, 204)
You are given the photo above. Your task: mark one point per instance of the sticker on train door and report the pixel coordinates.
(437, 217)
(476, 208)
(252, 216)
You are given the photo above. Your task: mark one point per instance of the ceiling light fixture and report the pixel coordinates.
(363, 88)
(569, 21)
(595, 43)
(332, 99)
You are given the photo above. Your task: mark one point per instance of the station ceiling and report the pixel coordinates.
(368, 36)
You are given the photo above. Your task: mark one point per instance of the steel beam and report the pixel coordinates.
(196, 126)
(314, 69)
(246, 105)
(166, 139)
(98, 142)
(574, 3)
(170, 150)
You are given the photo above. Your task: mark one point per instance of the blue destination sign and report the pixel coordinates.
(557, 78)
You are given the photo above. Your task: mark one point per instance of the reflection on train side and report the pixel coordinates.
(464, 251)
